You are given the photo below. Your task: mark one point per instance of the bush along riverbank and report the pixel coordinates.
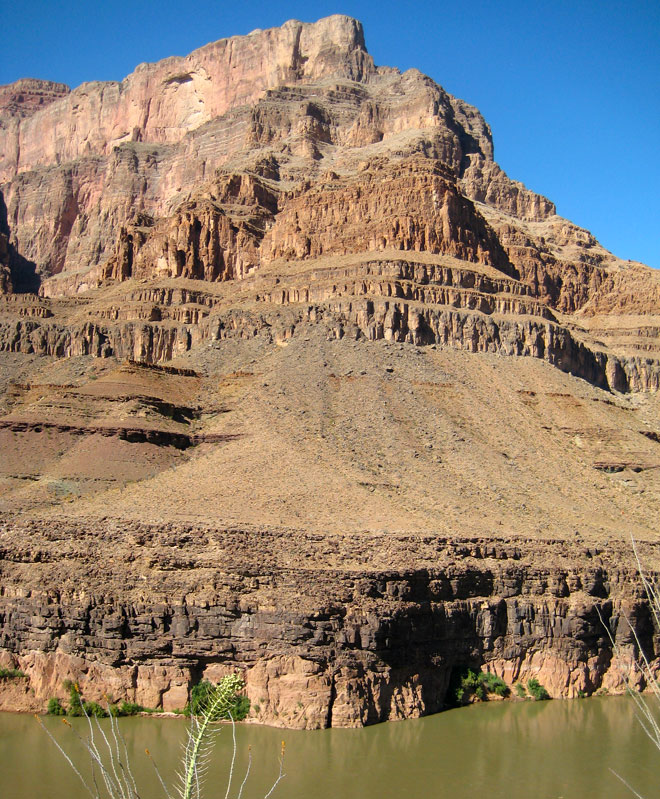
(111, 767)
(199, 697)
(333, 647)
(467, 686)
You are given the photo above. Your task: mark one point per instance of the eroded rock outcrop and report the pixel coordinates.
(337, 648)
(413, 205)
(6, 283)
(198, 172)
(280, 193)
(161, 102)
(215, 237)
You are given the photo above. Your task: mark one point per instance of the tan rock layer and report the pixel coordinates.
(214, 238)
(484, 181)
(26, 96)
(411, 206)
(374, 319)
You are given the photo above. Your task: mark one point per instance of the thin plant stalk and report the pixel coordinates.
(112, 761)
(646, 716)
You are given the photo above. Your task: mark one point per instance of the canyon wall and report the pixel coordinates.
(296, 381)
(318, 646)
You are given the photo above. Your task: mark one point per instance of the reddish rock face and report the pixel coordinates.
(344, 648)
(293, 103)
(363, 311)
(162, 102)
(337, 143)
(22, 98)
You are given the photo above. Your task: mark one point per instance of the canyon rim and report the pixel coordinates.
(296, 381)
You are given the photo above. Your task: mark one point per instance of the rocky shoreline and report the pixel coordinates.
(360, 640)
(296, 381)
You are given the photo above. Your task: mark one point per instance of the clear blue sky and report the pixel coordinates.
(571, 88)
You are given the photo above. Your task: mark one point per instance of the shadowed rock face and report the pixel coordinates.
(411, 417)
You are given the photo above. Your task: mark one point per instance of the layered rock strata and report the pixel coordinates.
(396, 298)
(306, 151)
(355, 646)
(411, 415)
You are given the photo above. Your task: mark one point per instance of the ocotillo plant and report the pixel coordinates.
(111, 773)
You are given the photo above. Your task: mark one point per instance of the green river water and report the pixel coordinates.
(512, 750)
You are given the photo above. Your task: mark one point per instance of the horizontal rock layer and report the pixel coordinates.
(350, 646)
(391, 300)
(282, 147)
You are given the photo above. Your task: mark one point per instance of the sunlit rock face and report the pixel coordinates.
(296, 380)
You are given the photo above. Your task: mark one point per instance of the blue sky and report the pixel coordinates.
(570, 89)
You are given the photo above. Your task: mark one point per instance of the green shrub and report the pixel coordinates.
(75, 699)
(199, 698)
(521, 690)
(94, 709)
(129, 709)
(78, 706)
(536, 690)
(241, 708)
(11, 674)
(222, 701)
(199, 695)
(55, 708)
(466, 684)
(494, 684)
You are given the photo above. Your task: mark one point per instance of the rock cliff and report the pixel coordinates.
(318, 647)
(305, 385)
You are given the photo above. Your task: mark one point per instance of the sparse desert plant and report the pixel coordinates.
(468, 684)
(11, 674)
(55, 707)
(112, 775)
(129, 709)
(494, 684)
(521, 690)
(536, 690)
(648, 712)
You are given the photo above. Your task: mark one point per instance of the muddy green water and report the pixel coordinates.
(523, 750)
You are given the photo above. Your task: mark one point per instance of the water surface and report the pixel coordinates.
(521, 750)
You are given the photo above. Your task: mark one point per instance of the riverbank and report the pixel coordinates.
(327, 631)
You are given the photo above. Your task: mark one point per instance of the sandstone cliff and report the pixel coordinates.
(305, 385)
(284, 146)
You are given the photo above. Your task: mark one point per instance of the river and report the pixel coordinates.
(507, 750)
